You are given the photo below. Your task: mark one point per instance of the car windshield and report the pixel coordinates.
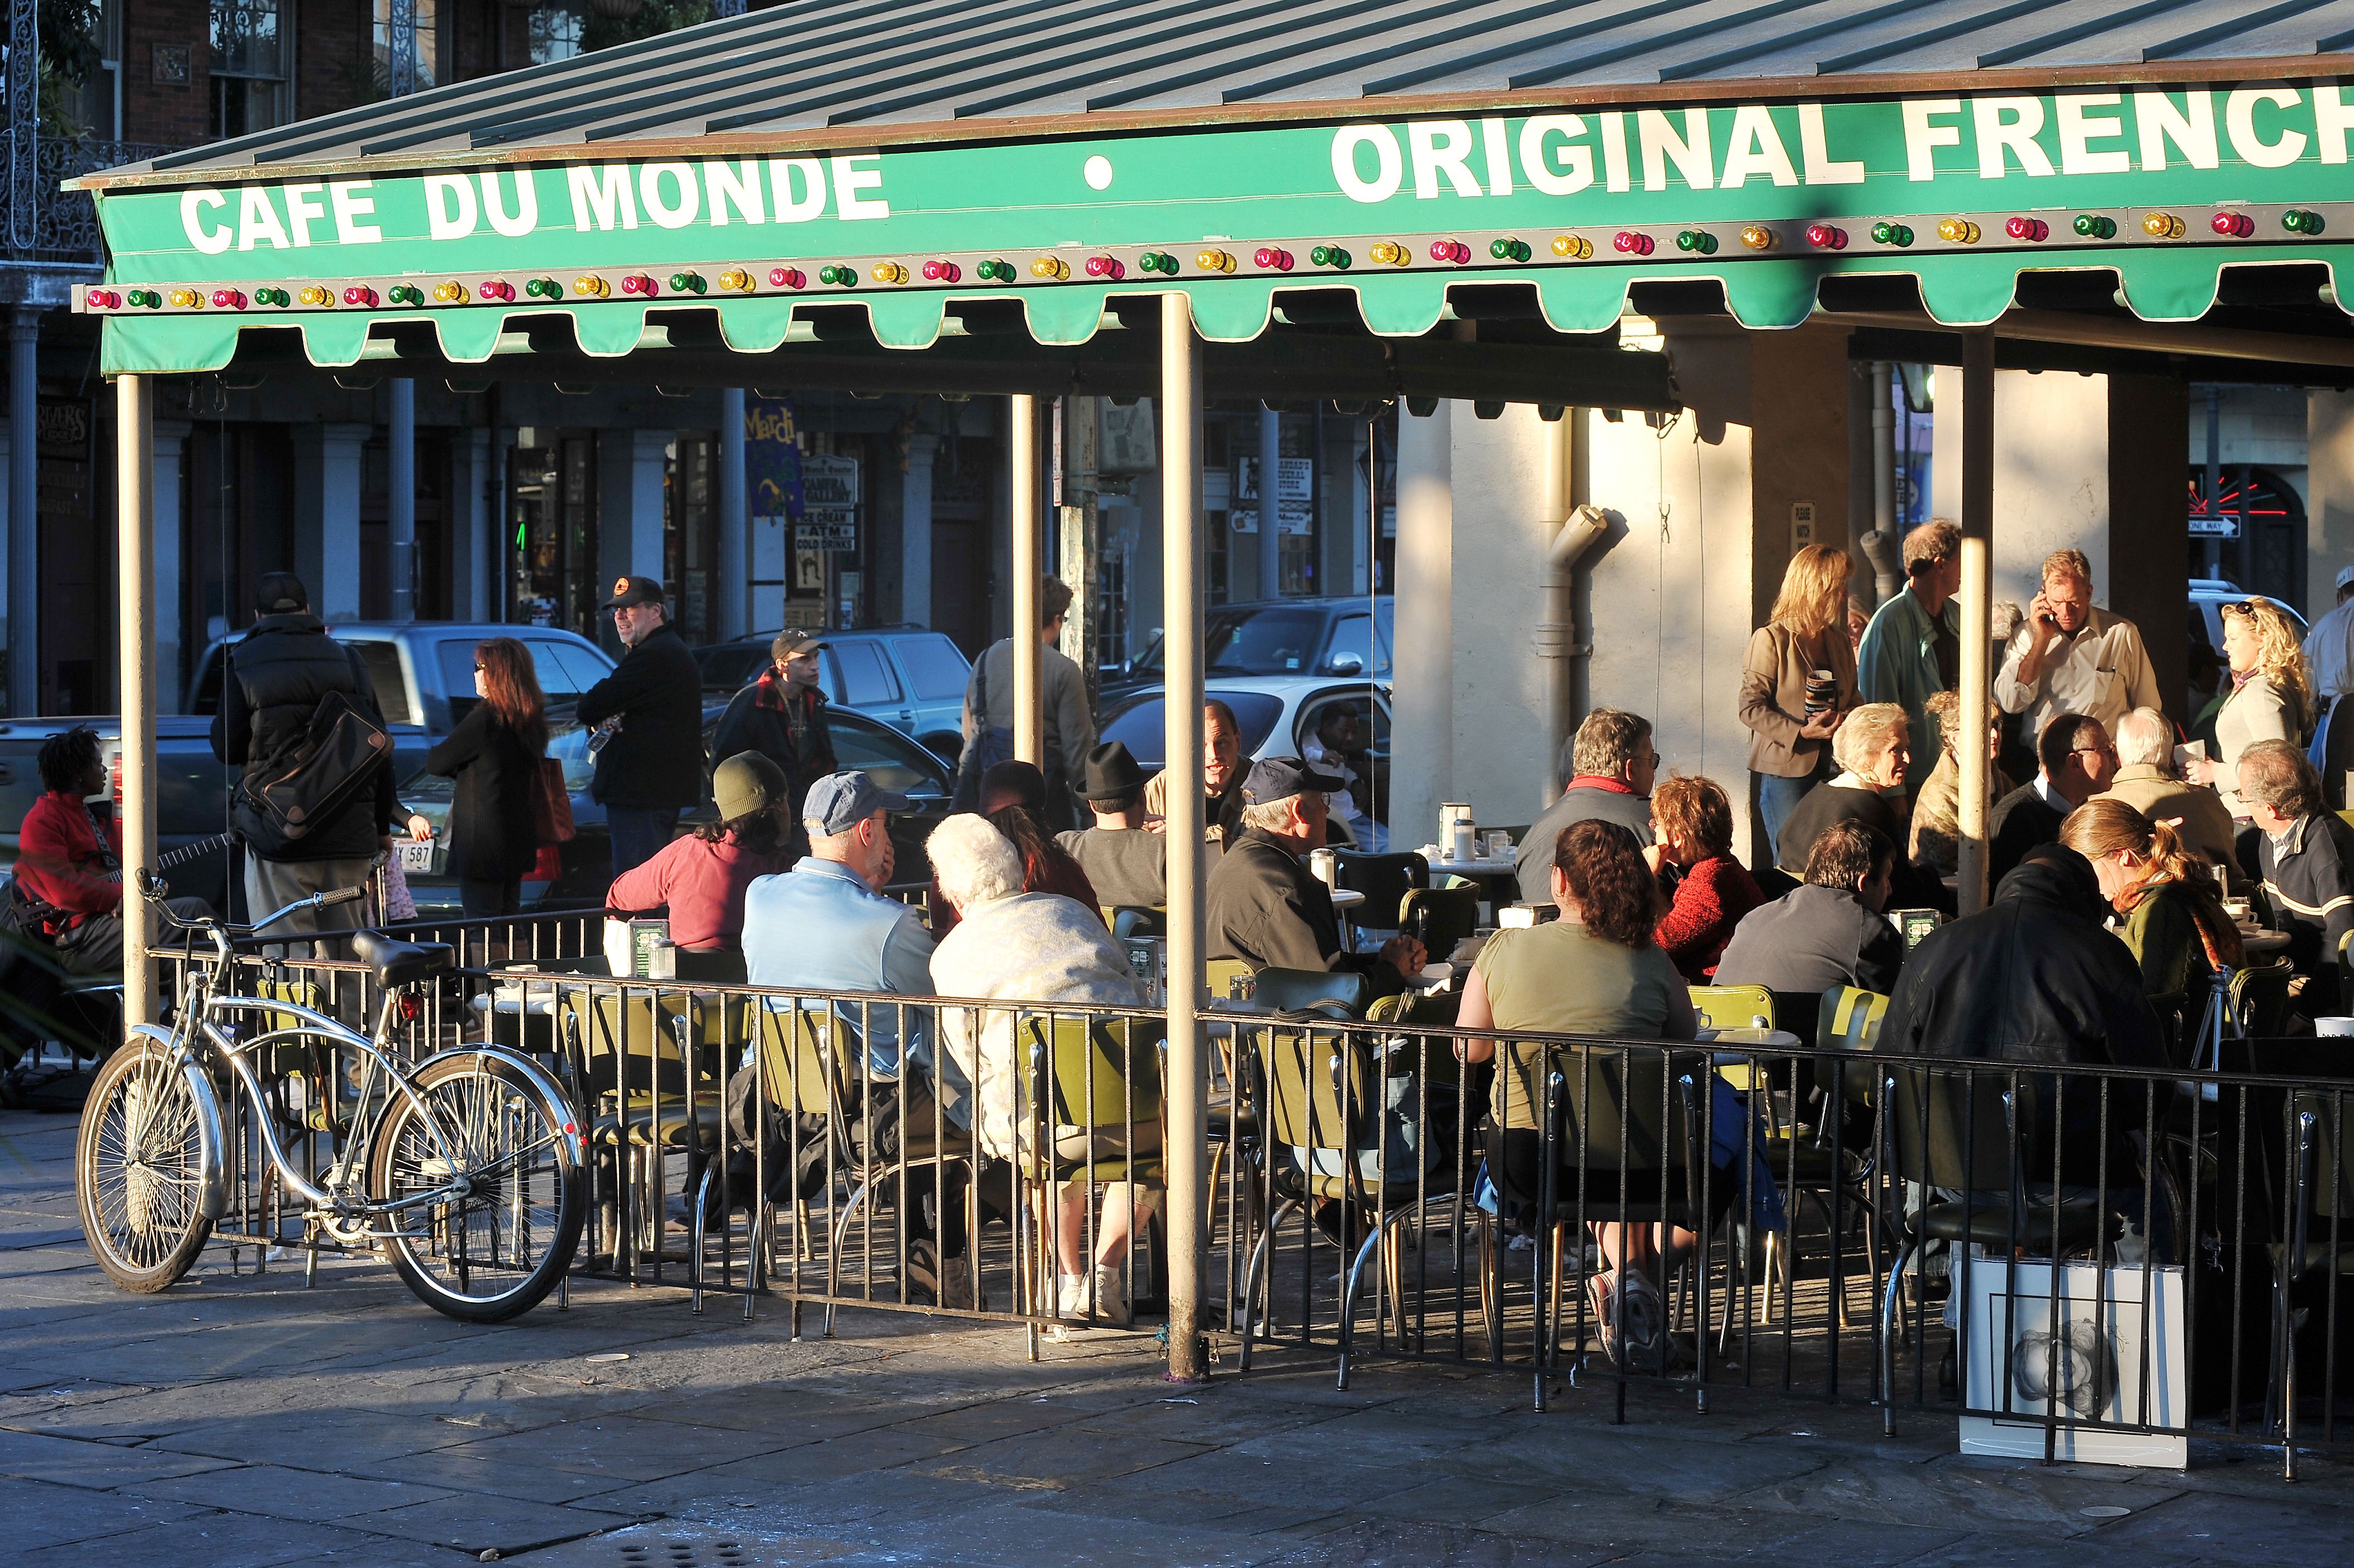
(1143, 728)
(729, 665)
(1275, 639)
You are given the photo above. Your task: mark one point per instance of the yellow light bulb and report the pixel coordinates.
(312, 294)
(735, 281)
(890, 272)
(1571, 247)
(187, 299)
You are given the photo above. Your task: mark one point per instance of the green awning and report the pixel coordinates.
(765, 243)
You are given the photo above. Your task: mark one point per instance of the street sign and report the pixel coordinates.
(825, 536)
(2222, 527)
(829, 482)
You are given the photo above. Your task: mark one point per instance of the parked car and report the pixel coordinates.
(423, 677)
(1277, 718)
(910, 678)
(1276, 637)
(896, 761)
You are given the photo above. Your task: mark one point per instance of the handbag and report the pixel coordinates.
(551, 804)
(311, 782)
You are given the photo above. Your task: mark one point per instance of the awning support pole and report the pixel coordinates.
(1029, 720)
(1188, 1098)
(1977, 632)
(401, 501)
(135, 440)
(1270, 505)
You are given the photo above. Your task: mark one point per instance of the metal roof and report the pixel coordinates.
(1003, 66)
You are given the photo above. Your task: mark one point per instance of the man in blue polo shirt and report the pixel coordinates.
(824, 925)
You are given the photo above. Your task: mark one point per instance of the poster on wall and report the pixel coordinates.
(773, 458)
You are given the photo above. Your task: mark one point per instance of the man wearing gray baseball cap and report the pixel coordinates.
(826, 926)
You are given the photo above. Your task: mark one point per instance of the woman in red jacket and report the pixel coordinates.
(701, 878)
(1691, 833)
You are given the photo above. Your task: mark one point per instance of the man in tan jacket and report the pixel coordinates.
(2146, 782)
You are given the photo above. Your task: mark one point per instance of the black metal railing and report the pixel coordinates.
(65, 223)
(2072, 1259)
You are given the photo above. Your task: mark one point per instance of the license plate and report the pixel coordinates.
(417, 858)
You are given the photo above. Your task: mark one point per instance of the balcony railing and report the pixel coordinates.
(65, 223)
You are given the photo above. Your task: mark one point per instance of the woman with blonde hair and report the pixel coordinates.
(1937, 811)
(1798, 679)
(2173, 914)
(2271, 697)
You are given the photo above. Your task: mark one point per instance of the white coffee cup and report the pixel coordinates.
(2338, 1028)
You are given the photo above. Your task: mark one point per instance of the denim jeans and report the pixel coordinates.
(639, 833)
(1776, 798)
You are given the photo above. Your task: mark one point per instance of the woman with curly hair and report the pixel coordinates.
(1595, 970)
(1691, 848)
(2271, 697)
(2174, 918)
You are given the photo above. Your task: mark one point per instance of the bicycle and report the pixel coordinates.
(469, 1171)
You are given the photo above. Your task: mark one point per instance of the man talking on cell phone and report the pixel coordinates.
(2069, 657)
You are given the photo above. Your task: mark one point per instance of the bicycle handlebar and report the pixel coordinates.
(156, 890)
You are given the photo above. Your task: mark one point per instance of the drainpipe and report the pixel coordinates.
(1568, 536)
(1880, 545)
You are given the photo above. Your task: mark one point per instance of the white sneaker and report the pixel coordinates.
(1071, 1298)
(1111, 1302)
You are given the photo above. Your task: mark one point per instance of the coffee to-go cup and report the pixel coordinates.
(1822, 691)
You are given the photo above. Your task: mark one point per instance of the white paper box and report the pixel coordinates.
(2103, 1352)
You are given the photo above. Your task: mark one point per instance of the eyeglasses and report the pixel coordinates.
(480, 668)
(2245, 606)
(2091, 751)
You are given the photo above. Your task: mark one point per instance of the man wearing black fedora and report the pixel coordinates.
(1128, 865)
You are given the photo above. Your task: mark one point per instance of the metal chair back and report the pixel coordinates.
(1439, 918)
(1734, 1006)
(1383, 879)
(1289, 991)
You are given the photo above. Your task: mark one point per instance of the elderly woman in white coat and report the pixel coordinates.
(1030, 951)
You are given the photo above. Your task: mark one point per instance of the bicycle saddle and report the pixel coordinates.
(396, 962)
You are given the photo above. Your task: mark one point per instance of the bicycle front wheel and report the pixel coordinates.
(139, 1169)
(488, 1136)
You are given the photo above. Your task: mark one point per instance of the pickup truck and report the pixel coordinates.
(423, 674)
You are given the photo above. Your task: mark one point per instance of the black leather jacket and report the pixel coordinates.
(281, 670)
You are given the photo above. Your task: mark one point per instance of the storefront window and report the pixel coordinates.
(555, 34)
(429, 44)
(253, 52)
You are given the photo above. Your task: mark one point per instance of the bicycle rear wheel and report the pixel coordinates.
(139, 1169)
(494, 1251)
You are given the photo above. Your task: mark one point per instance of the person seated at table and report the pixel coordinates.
(2077, 762)
(2146, 781)
(1873, 751)
(2174, 918)
(1595, 970)
(1611, 766)
(1337, 738)
(2304, 865)
(1222, 779)
(1014, 799)
(1032, 951)
(1827, 930)
(68, 886)
(703, 878)
(1938, 810)
(2031, 978)
(1709, 890)
(824, 925)
(1127, 865)
(1263, 906)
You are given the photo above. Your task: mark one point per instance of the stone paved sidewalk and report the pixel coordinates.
(241, 1420)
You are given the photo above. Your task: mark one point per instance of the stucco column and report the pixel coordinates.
(2329, 497)
(473, 536)
(400, 501)
(24, 512)
(732, 606)
(630, 506)
(915, 530)
(1422, 749)
(327, 517)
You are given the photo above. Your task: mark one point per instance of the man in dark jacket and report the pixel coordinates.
(2305, 862)
(2077, 761)
(2031, 978)
(782, 715)
(649, 711)
(1827, 931)
(1262, 906)
(280, 674)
